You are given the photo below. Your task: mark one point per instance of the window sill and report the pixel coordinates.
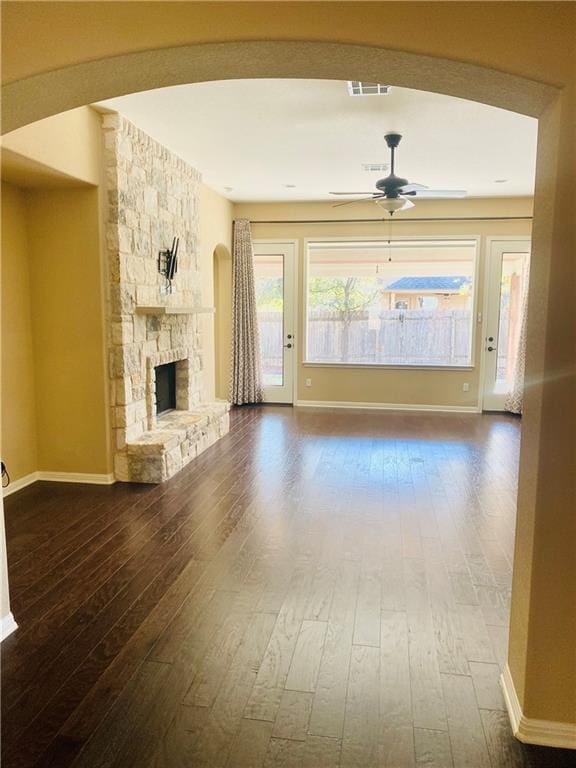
(383, 366)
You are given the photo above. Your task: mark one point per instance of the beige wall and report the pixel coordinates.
(55, 419)
(542, 658)
(379, 384)
(68, 143)
(19, 445)
(66, 297)
(216, 215)
(53, 383)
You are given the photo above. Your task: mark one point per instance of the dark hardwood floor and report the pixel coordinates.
(319, 589)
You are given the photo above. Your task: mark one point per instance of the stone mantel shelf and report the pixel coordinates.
(162, 309)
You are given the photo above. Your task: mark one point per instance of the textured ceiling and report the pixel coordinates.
(253, 139)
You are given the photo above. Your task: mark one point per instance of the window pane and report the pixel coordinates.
(511, 296)
(269, 283)
(403, 303)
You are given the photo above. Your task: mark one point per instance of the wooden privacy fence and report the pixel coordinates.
(270, 327)
(388, 337)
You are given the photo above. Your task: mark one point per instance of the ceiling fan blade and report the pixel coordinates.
(411, 188)
(360, 200)
(350, 193)
(436, 193)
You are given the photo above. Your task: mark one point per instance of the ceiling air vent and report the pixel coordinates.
(375, 167)
(358, 88)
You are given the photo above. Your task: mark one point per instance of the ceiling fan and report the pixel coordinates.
(393, 192)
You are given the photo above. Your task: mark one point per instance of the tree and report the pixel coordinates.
(270, 293)
(345, 295)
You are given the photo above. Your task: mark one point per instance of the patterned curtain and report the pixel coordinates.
(515, 397)
(245, 384)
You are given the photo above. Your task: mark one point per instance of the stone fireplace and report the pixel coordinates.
(153, 197)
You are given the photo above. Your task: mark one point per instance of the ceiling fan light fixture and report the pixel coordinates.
(391, 192)
(394, 204)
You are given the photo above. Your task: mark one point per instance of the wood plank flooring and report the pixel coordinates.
(319, 589)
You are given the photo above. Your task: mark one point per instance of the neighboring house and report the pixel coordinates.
(428, 292)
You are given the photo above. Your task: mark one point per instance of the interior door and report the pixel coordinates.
(506, 281)
(274, 273)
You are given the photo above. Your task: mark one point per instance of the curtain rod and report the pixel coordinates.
(376, 221)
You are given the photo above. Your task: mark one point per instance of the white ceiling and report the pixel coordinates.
(251, 138)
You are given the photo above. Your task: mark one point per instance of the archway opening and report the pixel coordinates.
(56, 91)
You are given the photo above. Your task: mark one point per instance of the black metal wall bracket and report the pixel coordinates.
(168, 265)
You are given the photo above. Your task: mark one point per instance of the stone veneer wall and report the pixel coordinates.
(152, 197)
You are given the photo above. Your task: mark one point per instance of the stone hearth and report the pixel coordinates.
(177, 438)
(152, 198)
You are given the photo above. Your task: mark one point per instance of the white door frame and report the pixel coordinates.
(494, 245)
(290, 252)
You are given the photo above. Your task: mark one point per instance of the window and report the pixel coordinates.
(428, 302)
(269, 288)
(403, 302)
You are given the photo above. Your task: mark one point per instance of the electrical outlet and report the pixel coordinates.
(308, 382)
(465, 387)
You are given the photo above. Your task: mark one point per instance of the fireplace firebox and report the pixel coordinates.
(165, 387)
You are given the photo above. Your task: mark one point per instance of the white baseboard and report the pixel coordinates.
(545, 733)
(57, 477)
(388, 406)
(21, 482)
(7, 626)
(77, 477)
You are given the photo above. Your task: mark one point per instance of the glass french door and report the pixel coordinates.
(506, 282)
(274, 274)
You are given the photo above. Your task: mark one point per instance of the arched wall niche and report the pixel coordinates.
(542, 671)
(222, 277)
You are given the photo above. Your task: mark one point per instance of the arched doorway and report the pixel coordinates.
(545, 475)
(222, 266)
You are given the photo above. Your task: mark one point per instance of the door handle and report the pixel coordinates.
(491, 349)
(288, 346)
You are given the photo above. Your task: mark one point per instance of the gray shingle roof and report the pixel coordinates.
(444, 283)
